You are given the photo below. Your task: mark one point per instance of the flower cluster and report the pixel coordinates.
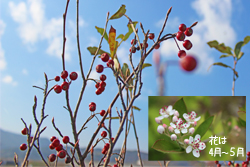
(180, 128)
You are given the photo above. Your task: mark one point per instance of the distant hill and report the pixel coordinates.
(10, 142)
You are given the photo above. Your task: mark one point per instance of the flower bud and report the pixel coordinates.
(191, 130)
(158, 121)
(186, 141)
(165, 126)
(195, 123)
(175, 119)
(171, 129)
(160, 129)
(176, 113)
(173, 137)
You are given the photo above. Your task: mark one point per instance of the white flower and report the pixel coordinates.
(173, 137)
(171, 129)
(196, 145)
(160, 129)
(165, 112)
(186, 141)
(158, 121)
(191, 130)
(175, 119)
(179, 126)
(191, 118)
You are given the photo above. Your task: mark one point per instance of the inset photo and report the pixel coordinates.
(197, 128)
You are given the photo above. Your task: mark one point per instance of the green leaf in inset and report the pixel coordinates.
(225, 56)
(213, 44)
(130, 31)
(101, 30)
(242, 123)
(202, 129)
(119, 13)
(219, 64)
(240, 55)
(93, 50)
(121, 36)
(165, 146)
(146, 65)
(180, 106)
(238, 48)
(246, 40)
(136, 108)
(242, 115)
(207, 115)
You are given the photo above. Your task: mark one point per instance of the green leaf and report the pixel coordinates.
(180, 106)
(207, 115)
(219, 64)
(146, 65)
(238, 48)
(116, 64)
(222, 56)
(202, 129)
(93, 50)
(236, 73)
(242, 122)
(165, 146)
(246, 40)
(136, 108)
(130, 31)
(242, 115)
(240, 55)
(121, 36)
(101, 30)
(124, 71)
(119, 13)
(220, 47)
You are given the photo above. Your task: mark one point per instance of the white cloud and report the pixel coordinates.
(9, 80)
(3, 63)
(25, 72)
(122, 54)
(93, 41)
(35, 27)
(171, 24)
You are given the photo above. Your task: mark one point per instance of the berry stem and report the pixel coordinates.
(177, 44)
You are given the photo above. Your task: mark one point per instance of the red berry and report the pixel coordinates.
(102, 124)
(112, 138)
(187, 44)
(102, 84)
(104, 134)
(181, 53)
(114, 165)
(67, 160)
(146, 45)
(182, 27)
(24, 131)
(248, 153)
(92, 108)
(248, 159)
(57, 89)
(188, 63)
(132, 49)
(65, 139)
(31, 138)
(56, 143)
(99, 68)
(52, 138)
(61, 154)
(216, 162)
(98, 91)
(97, 85)
(104, 151)
(110, 63)
(105, 57)
(229, 163)
(106, 146)
(180, 36)
(52, 157)
(59, 147)
(102, 112)
(73, 76)
(103, 77)
(157, 46)
(151, 36)
(218, 165)
(92, 104)
(23, 147)
(64, 74)
(101, 89)
(188, 32)
(132, 41)
(57, 78)
(51, 146)
(65, 85)
(237, 165)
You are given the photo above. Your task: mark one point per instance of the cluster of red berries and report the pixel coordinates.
(100, 86)
(244, 163)
(24, 146)
(65, 85)
(61, 153)
(106, 146)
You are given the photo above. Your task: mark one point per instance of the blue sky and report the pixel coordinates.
(31, 44)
